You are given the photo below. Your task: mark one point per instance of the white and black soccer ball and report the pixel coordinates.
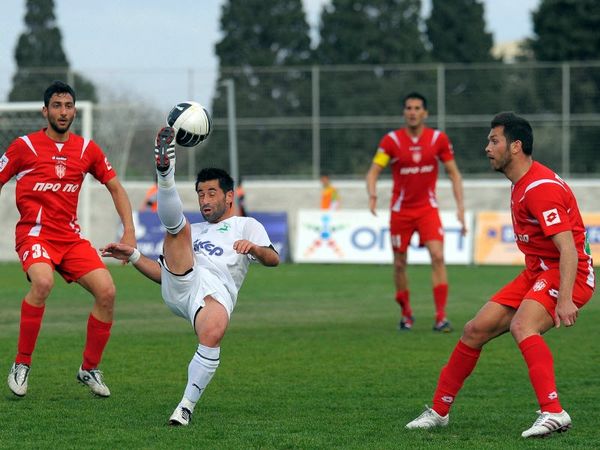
(191, 122)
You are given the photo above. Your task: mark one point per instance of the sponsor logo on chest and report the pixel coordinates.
(208, 247)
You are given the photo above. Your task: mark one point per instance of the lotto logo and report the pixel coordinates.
(551, 217)
(3, 162)
(552, 395)
(448, 399)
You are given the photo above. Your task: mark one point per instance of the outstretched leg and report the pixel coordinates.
(491, 321)
(177, 247)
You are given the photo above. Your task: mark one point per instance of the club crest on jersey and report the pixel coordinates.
(551, 217)
(224, 227)
(539, 285)
(60, 169)
(416, 157)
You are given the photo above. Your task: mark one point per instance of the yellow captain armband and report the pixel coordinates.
(381, 158)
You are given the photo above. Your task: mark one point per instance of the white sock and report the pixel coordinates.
(166, 179)
(200, 371)
(170, 208)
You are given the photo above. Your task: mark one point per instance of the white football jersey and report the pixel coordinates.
(213, 246)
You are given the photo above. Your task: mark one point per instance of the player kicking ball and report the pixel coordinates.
(557, 282)
(203, 265)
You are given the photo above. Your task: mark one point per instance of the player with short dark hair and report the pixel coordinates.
(50, 166)
(557, 281)
(203, 265)
(414, 152)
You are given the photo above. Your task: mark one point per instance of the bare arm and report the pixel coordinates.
(457, 190)
(265, 255)
(123, 207)
(566, 311)
(372, 177)
(121, 251)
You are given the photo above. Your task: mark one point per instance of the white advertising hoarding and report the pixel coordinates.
(356, 236)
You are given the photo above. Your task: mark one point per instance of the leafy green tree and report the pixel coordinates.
(371, 32)
(40, 57)
(371, 39)
(264, 45)
(566, 30)
(456, 31)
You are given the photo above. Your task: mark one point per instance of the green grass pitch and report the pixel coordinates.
(312, 360)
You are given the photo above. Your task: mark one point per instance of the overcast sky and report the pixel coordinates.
(139, 49)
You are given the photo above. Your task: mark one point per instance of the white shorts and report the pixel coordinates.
(185, 294)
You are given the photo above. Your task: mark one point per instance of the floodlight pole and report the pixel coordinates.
(232, 130)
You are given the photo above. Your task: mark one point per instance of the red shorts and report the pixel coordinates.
(426, 221)
(543, 288)
(72, 260)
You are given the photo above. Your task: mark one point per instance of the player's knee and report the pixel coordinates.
(437, 258)
(519, 329)
(105, 296)
(399, 265)
(41, 287)
(473, 333)
(211, 337)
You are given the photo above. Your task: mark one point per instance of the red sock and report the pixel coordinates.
(31, 321)
(440, 298)
(541, 372)
(460, 365)
(403, 299)
(97, 337)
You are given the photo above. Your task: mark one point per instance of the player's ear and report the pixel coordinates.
(516, 146)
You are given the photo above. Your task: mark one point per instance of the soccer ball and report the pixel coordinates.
(191, 122)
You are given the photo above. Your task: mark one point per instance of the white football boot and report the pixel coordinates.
(17, 379)
(548, 423)
(93, 379)
(181, 416)
(429, 419)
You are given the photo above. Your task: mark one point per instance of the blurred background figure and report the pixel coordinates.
(150, 203)
(240, 199)
(330, 199)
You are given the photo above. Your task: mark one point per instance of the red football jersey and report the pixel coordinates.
(542, 205)
(49, 176)
(414, 164)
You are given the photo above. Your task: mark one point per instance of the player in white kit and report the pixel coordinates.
(202, 266)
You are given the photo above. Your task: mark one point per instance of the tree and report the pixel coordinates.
(40, 57)
(566, 30)
(373, 37)
(371, 32)
(456, 31)
(264, 43)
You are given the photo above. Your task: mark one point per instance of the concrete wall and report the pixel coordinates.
(100, 222)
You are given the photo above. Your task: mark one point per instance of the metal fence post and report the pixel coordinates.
(316, 123)
(191, 158)
(566, 120)
(441, 97)
(232, 129)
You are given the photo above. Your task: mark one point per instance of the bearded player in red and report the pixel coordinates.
(49, 166)
(414, 152)
(557, 281)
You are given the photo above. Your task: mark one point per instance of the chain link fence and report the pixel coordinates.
(296, 123)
